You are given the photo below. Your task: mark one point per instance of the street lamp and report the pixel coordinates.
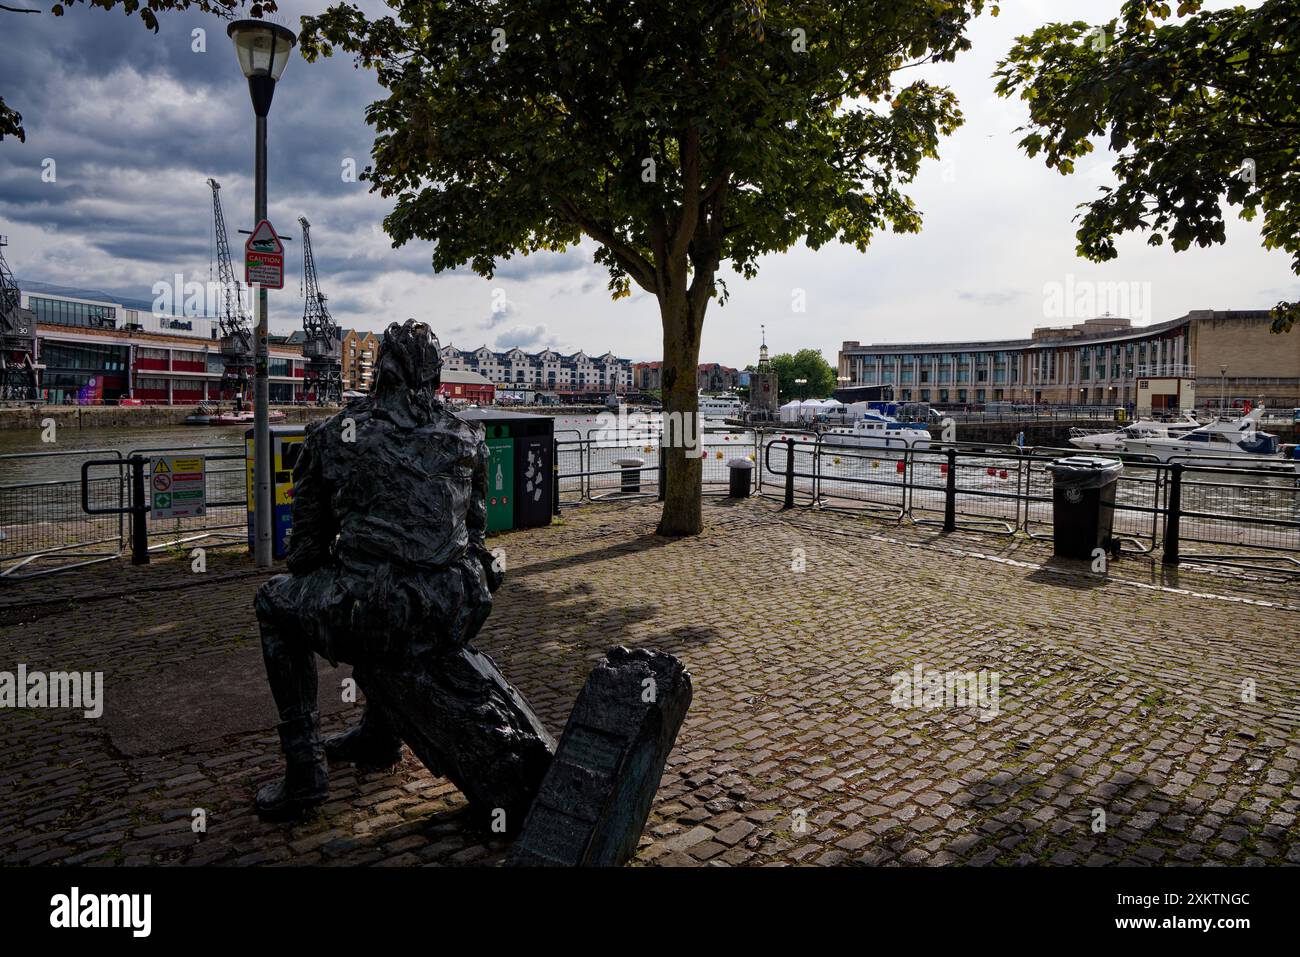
(801, 383)
(263, 51)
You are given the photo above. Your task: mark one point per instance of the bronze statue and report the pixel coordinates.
(389, 572)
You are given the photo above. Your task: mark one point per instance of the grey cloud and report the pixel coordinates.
(523, 337)
(993, 297)
(506, 311)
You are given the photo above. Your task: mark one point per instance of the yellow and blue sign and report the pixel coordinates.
(286, 446)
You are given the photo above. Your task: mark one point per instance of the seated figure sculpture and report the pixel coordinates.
(389, 572)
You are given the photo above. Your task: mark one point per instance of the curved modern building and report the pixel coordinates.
(1208, 356)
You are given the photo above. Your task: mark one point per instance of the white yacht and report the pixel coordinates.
(720, 406)
(1211, 444)
(1112, 440)
(878, 431)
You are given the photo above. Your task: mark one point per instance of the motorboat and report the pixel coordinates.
(720, 406)
(1237, 442)
(208, 415)
(247, 417)
(878, 431)
(1108, 440)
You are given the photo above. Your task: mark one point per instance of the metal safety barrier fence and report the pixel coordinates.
(1231, 514)
(1006, 489)
(43, 528)
(617, 466)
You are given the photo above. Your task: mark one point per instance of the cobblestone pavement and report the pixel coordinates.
(1146, 718)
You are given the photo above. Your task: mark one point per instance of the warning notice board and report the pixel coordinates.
(178, 486)
(264, 258)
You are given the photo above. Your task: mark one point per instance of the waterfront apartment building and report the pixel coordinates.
(1228, 355)
(709, 377)
(648, 376)
(715, 377)
(91, 351)
(358, 359)
(546, 371)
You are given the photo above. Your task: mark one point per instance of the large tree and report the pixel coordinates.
(809, 365)
(1200, 113)
(675, 134)
(11, 121)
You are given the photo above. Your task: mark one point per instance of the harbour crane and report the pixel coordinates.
(236, 331)
(323, 346)
(17, 340)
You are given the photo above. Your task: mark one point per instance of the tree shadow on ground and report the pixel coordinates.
(1128, 819)
(634, 546)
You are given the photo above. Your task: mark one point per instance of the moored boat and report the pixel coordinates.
(208, 415)
(720, 406)
(1112, 440)
(1237, 443)
(874, 430)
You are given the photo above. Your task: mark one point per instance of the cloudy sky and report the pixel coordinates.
(136, 122)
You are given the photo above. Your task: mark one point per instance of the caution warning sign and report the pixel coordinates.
(264, 258)
(179, 487)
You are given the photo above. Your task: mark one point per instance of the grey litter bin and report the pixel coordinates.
(631, 474)
(1083, 504)
(741, 474)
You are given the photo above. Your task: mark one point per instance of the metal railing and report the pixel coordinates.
(1233, 513)
(226, 505)
(43, 528)
(627, 465)
(1005, 489)
(54, 525)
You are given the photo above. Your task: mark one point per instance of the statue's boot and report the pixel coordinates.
(306, 779)
(371, 745)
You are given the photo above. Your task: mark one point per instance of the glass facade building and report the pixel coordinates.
(67, 312)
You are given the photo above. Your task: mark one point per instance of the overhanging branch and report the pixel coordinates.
(636, 265)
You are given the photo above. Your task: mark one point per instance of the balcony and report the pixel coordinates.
(1169, 369)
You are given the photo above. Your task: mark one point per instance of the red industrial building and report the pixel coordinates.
(469, 388)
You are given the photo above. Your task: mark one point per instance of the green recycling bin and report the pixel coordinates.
(521, 467)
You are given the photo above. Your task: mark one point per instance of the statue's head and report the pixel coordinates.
(408, 359)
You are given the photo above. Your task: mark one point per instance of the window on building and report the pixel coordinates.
(63, 313)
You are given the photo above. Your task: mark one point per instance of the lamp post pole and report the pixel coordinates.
(263, 50)
(261, 370)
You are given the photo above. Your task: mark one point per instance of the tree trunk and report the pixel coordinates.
(681, 451)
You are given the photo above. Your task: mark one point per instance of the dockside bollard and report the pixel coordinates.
(631, 478)
(1173, 512)
(740, 478)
